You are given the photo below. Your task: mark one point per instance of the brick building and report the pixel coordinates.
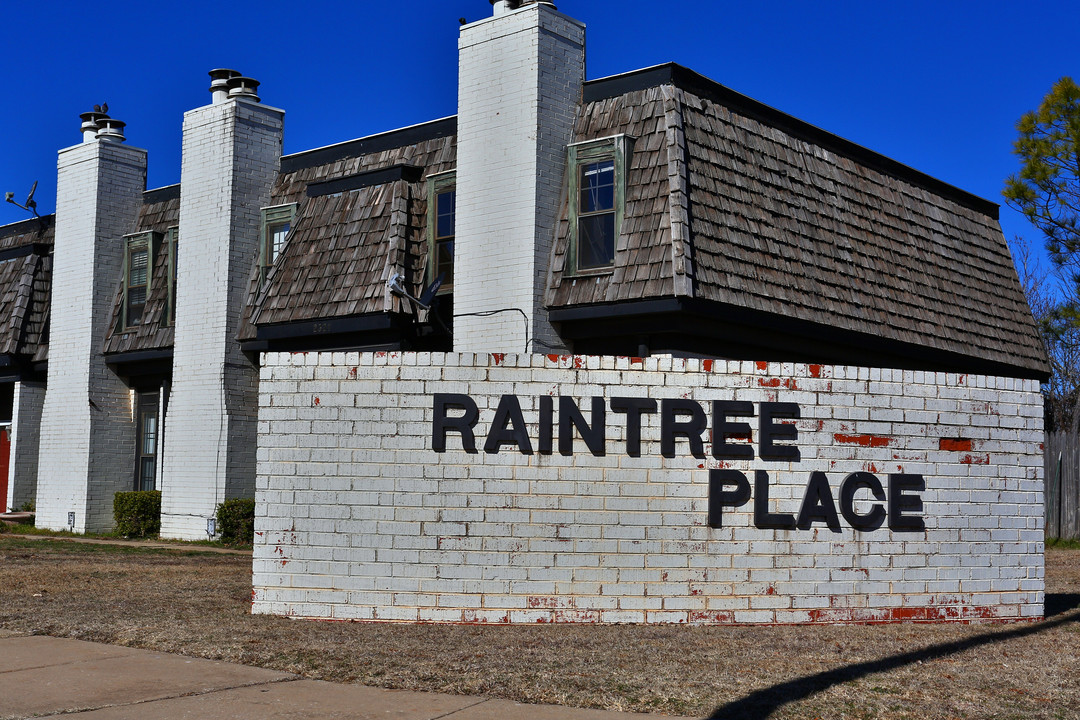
(652, 240)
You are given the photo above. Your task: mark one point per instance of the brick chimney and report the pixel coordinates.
(87, 432)
(231, 156)
(519, 83)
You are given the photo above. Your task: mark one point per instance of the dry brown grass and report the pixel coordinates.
(198, 605)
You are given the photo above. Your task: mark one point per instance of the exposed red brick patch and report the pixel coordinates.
(576, 616)
(352, 373)
(719, 617)
(762, 366)
(637, 361)
(771, 382)
(706, 365)
(957, 444)
(553, 357)
(789, 383)
(541, 601)
(498, 358)
(815, 371)
(863, 440)
(975, 460)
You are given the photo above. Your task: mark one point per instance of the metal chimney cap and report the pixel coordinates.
(245, 87)
(111, 129)
(223, 74)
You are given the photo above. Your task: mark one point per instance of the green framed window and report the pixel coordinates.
(146, 440)
(597, 199)
(442, 212)
(140, 250)
(171, 239)
(276, 224)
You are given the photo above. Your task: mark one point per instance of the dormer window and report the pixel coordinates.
(597, 199)
(276, 223)
(139, 252)
(442, 211)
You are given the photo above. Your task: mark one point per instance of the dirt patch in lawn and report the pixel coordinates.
(198, 605)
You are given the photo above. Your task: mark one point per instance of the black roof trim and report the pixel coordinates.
(138, 356)
(161, 194)
(24, 250)
(786, 338)
(14, 368)
(687, 79)
(374, 143)
(327, 326)
(408, 173)
(24, 226)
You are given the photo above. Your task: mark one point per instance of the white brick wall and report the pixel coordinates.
(359, 518)
(86, 453)
(231, 155)
(25, 434)
(519, 82)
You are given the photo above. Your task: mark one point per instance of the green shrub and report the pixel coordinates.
(236, 521)
(137, 514)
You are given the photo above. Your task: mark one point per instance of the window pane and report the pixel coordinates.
(149, 438)
(137, 270)
(597, 187)
(277, 239)
(136, 301)
(596, 241)
(444, 261)
(445, 209)
(146, 474)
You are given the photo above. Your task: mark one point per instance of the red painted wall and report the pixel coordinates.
(5, 449)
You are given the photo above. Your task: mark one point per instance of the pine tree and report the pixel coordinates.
(1047, 188)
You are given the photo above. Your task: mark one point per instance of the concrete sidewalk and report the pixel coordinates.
(52, 677)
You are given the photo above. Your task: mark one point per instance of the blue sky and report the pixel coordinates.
(935, 85)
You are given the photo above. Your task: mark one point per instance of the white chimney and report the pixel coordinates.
(520, 74)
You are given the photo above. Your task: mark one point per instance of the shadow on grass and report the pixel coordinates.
(763, 703)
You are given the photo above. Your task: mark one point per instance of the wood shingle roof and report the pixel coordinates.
(25, 285)
(160, 211)
(344, 245)
(762, 212)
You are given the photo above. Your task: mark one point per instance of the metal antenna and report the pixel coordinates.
(30, 205)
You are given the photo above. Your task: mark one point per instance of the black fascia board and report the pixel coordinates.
(19, 368)
(697, 84)
(372, 322)
(789, 338)
(137, 356)
(142, 364)
(24, 250)
(375, 143)
(161, 194)
(408, 173)
(25, 226)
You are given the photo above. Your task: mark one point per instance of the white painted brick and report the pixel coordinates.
(592, 529)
